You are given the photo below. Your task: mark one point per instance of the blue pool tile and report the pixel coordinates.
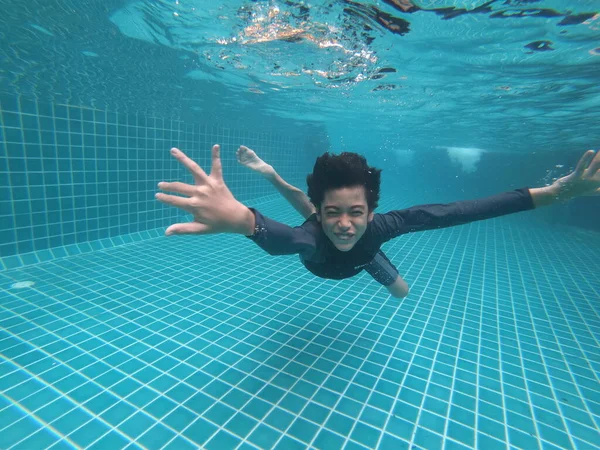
(217, 388)
(373, 417)
(222, 441)
(180, 393)
(118, 413)
(219, 413)
(19, 430)
(264, 437)
(401, 428)
(366, 435)
(280, 419)
(462, 415)
(522, 439)
(71, 421)
(491, 428)
(257, 408)
(8, 413)
(54, 410)
(241, 425)
(582, 432)
(453, 445)
(90, 432)
(200, 431)
(411, 396)
(287, 443)
(326, 397)
(405, 411)
(326, 440)
(461, 433)
(339, 423)
(427, 439)
(110, 440)
(520, 422)
(236, 398)
(163, 383)
(349, 407)
(435, 405)
(432, 422)
(556, 436)
(315, 412)
(271, 394)
(382, 402)
(179, 418)
(583, 445)
(136, 425)
(485, 441)
(156, 437)
(303, 430)
(160, 407)
(390, 442)
(181, 443)
(351, 445)
(292, 402)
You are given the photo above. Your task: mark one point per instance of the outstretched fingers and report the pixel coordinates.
(197, 172)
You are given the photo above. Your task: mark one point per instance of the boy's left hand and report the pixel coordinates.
(584, 180)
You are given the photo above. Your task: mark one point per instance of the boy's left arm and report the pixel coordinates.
(584, 180)
(434, 216)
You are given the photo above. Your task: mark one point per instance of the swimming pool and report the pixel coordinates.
(115, 336)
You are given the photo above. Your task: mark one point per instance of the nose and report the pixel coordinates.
(344, 223)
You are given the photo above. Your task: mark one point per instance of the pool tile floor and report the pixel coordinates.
(208, 342)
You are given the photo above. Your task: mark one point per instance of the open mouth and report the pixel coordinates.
(344, 237)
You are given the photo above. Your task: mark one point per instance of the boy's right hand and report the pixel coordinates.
(210, 201)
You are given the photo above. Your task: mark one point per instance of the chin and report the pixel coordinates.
(345, 248)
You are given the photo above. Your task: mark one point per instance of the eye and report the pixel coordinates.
(357, 213)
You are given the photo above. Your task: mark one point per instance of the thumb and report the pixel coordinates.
(187, 228)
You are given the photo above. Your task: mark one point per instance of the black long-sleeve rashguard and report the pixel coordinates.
(319, 255)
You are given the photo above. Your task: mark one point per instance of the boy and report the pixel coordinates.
(342, 235)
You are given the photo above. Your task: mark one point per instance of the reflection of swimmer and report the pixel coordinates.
(403, 5)
(341, 234)
(276, 27)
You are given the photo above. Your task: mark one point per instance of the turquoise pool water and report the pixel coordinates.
(113, 336)
(176, 343)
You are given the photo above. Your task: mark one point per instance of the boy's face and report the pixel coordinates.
(344, 216)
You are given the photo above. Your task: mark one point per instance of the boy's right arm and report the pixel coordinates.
(216, 210)
(279, 239)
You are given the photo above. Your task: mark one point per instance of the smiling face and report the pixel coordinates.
(344, 216)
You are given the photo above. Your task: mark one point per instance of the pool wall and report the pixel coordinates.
(74, 179)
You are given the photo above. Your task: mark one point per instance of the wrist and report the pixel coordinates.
(545, 196)
(245, 222)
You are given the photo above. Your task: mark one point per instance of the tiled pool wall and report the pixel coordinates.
(72, 177)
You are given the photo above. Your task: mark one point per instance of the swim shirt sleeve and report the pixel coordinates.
(279, 239)
(428, 217)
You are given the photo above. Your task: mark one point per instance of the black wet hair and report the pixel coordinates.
(344, 170)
